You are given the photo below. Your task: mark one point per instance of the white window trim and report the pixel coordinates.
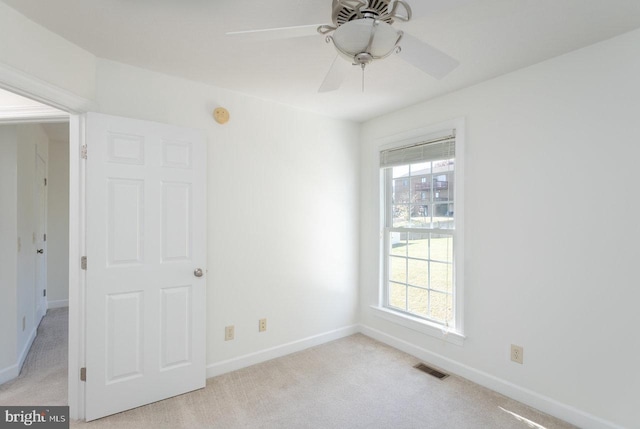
(455, 334)
(420, 325)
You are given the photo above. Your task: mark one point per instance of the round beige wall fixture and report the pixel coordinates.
(221, 115)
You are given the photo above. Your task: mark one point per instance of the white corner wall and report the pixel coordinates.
(32, 49)
(282, 212)
(58, 225)
(551, 233)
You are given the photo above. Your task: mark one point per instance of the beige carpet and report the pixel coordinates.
(43, 379)
(354, 382)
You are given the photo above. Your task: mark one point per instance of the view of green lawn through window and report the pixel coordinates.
(420, 239)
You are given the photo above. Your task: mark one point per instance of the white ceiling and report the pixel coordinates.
(187, 38)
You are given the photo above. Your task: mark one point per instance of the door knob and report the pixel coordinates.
(198, 272)
(40, 250)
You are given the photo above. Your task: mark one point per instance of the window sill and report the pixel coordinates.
(419, 325)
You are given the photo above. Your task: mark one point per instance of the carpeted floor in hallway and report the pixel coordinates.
(43, 379)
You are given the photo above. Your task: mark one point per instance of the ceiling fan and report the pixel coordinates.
(362, 31)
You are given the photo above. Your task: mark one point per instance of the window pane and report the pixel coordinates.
(418, 246)
(441, 306)
(418, 301)
(441, 276)
(443, 216)
(420, 168)
(397, 295)
(401, 171)
(400, 216)
(443, 187)
(420, 190)
(398, 243)
(440, 187)
(401, 191)
(419, 216)
(398, 269)
(441, 248)
(418, 273)
(443, 166)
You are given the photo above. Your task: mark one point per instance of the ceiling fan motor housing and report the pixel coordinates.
(348, 10)
(363, 29)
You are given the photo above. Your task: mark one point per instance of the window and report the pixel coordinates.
(420, 230)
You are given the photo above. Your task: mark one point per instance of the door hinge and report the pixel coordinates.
(45, 237)
(83, 262)
(83, 151)
(45, 181)
(44, 292)
(83, 374)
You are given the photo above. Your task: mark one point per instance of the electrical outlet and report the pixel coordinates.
(262, 325)
(517, 353)
(229, 333)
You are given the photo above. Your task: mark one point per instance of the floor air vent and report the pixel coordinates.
(425, 368)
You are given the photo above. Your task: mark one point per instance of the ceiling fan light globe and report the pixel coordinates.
(353, 37)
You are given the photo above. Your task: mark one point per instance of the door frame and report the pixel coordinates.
(32, 87)
(41, 267)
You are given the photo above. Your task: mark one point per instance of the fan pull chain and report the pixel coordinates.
(362, 65)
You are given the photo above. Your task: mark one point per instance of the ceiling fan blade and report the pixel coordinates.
(335, 76)
(276, 33)
(425, 57)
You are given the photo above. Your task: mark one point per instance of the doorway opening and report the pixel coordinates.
(34, 244)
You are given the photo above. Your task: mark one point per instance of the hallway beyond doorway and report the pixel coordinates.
(43, 379)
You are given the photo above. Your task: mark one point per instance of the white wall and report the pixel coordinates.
(282, 208)
(8, 246)
(551, 230)
(282, 194)
(58, 224)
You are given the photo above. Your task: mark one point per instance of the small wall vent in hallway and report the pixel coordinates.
(431, 371)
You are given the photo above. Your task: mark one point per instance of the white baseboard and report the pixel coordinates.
(11, 372)
(58, 304)
(540, 402)
(278, 351)
(26, 348)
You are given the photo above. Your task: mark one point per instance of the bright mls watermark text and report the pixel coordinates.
(34, 417)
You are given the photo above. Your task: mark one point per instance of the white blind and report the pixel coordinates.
(434, 150)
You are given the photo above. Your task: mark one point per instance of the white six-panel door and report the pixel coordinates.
(146, 237)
